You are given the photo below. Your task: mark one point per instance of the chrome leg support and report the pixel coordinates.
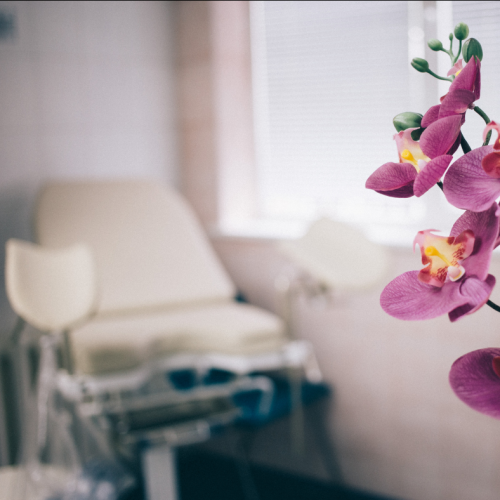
(160, 472)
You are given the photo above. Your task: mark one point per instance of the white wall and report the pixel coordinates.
(395, 423)
(86, 90)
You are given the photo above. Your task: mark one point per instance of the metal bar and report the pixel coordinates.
(160, 473)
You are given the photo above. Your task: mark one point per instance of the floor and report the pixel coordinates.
(210, 476)
(204, 476)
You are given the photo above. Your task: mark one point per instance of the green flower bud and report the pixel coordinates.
(450, 36)
(461, 31)
(407, 120)
(435, 44)
(415, 134)
(420, 64)
(472, 48)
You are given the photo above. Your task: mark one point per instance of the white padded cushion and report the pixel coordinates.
(150, 250)
(110, 344)
(51, 289)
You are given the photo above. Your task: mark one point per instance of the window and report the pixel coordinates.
(328, 78)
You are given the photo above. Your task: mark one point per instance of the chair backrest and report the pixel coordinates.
(150, 250)
(52, 289)
(338, 255)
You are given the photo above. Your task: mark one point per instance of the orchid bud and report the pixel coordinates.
(407, 120)
(420, 64)
(435, 44)
(461, 31)
(472, 48)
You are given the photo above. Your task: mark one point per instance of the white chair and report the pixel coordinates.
(165, 304)
(162, 288)
(53, 290)
(330, 260)
(338, 256)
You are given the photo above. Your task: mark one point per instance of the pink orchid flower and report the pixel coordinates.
(415, 173)
(473, 181)
(475, 379)
(455, 277)
(442, 122)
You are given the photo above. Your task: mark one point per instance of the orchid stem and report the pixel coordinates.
(488, 137)
(458, 53)
(493, 306)
(439, 77)
(465, 145)
(482, 114)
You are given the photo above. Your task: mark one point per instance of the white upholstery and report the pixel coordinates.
(50, 288)
(162, 289)
(116, 343)
(149, 248)
(338, 255)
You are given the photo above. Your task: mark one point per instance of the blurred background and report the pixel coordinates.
(266, 116)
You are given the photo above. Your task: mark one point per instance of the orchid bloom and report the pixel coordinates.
(442, 256)
(415, 173)
(473, 181)
(475, 379)
(455, 277)
(442, 122)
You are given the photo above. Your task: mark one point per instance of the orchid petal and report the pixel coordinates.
(458, 66)
(407, 298)
(392, 176)
(485, 226)
(431, 116)
(491, 164)
(456, 145)
(469, 78)
(477, 292)
(440, 136)
(431, 174)
(475, 382)
(466, 185)
(457, 101)
(402, 192)
(492, 126)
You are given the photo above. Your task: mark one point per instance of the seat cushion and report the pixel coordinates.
(115, 343)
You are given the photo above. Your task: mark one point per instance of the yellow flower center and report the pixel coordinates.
(443, 256)
(434, 252)
(406, 155)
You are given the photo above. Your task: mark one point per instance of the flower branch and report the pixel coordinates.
(454, 278)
